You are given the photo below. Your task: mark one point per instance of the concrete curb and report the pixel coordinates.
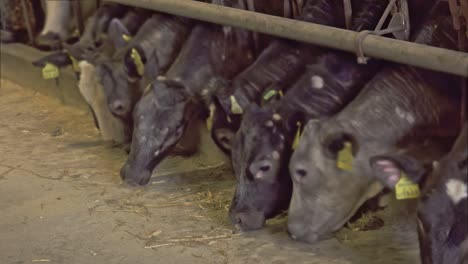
(16, 66)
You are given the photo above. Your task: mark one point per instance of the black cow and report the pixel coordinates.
(277, 66)
(211, 56)
(83, 54)
(443, 207)
(147, 55)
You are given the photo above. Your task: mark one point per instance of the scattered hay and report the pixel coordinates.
(188, 240)
(367, 222)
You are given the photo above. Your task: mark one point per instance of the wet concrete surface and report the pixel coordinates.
(61, 201)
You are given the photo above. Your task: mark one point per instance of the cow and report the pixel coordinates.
(210, 57)
(94, 44)
(134, 65)
(442, 213)
(401, 105)
(280, 63)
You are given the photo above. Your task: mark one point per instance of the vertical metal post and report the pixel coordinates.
(76, 5)
(2, 14)
(24, 7)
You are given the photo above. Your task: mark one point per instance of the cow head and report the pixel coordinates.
(259, 154)
(160, 120)
(331, 179)
(118, 74)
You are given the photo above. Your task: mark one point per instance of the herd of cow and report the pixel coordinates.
(307, 128)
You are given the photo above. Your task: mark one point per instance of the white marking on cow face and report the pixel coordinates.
(456, 190)
(317, 82)
(276, 117)
(404, 115)
(269, 123)
(161, 78)
(275, 155)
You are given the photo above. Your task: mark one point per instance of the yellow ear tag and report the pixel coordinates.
(280, 93)
(209, 120)
(50, 71)
(126, 37)
(297, 137)
(406, 189)
(268, 95)
(235, 107)
(345, 157)
(140, 67)
(75, 66)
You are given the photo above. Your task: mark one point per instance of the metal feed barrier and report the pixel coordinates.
(374, 46)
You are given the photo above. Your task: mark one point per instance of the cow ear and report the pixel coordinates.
(118, 33)
(390, 168)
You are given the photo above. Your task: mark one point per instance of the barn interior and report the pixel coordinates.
(63, 200)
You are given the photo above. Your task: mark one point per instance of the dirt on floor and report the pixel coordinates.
(61, 201)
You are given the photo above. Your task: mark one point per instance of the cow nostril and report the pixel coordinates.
(118, 107)
(225, 140)
(238, 219)
(264, 168)
(301, 173)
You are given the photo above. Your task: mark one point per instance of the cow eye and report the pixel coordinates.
(334, 143)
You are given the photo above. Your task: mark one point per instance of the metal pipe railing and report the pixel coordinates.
(404, 52)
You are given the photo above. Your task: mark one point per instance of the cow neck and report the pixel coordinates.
(277, 64)
(193, 68)
(406, 98)
(133, 20)
(146, 34)
(154, 27)
(325, 12)
(398, 101)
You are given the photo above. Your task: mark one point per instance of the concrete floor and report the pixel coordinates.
(61, 201)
